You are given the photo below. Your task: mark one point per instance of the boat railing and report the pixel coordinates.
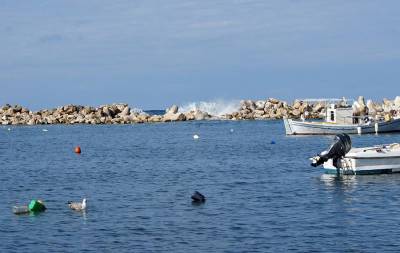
(366, 117)
(389, 146)
(344, 102)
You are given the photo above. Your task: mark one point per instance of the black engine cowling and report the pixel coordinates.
(339, 148)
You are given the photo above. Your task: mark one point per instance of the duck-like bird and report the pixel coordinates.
(77, 206)
(197, 197)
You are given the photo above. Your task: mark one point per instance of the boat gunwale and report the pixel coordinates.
(326, 129)
(371, 157)
(328, 124)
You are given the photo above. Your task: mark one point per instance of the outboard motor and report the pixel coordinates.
(339, 148)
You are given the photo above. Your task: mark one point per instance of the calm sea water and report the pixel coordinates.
(138, 179)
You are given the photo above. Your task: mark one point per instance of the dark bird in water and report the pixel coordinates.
(197, 197)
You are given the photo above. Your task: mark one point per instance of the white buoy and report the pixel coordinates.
(376, 127)
(9, 129)
(196, 137)
(45, 130)
(231, 130)
(359, 130)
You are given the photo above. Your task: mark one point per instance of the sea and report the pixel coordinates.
(261, 193)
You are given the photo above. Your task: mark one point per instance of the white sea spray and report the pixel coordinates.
(215, 108)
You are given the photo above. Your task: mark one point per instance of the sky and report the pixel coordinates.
(152, 54)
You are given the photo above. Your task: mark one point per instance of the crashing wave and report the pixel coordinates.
(137, 110)
(214, 108)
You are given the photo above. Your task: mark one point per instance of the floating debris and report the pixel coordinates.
(35, 206)
(196, 137)
(21, 210)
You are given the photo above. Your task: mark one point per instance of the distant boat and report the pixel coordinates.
(340, 158)
(341, 120)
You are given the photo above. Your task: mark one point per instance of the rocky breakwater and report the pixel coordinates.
(74, 114)
(249, 110)
(388, 108)
(275, 109)
(77, 114)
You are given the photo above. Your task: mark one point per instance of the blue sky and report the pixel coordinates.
(151, 54)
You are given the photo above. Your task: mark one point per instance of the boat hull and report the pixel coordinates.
(362, 172)
(366, 164)
(295, 127)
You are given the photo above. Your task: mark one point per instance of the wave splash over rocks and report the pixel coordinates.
(217, 108)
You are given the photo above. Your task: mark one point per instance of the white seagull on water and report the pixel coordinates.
(78, 206)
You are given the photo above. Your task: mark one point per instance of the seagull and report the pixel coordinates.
(77, 206)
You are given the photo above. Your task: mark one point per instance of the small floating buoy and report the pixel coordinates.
(196, 137)
(45, 130)
(77, 149)
(36, 206)
(231, 130)
(197, 197)
(273, 142)
(9, 129)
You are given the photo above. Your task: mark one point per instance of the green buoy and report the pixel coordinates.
(36, 206)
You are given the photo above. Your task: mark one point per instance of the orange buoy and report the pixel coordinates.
(77, 149)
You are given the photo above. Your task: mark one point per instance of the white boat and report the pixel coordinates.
(342, 159)
(341, 120)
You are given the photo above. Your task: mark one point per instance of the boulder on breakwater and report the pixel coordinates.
(248, 110)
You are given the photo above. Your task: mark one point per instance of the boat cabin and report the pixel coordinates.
(339, 115)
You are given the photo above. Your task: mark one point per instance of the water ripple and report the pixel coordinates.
(138, 180)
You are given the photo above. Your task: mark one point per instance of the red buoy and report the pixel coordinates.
(77, 149)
